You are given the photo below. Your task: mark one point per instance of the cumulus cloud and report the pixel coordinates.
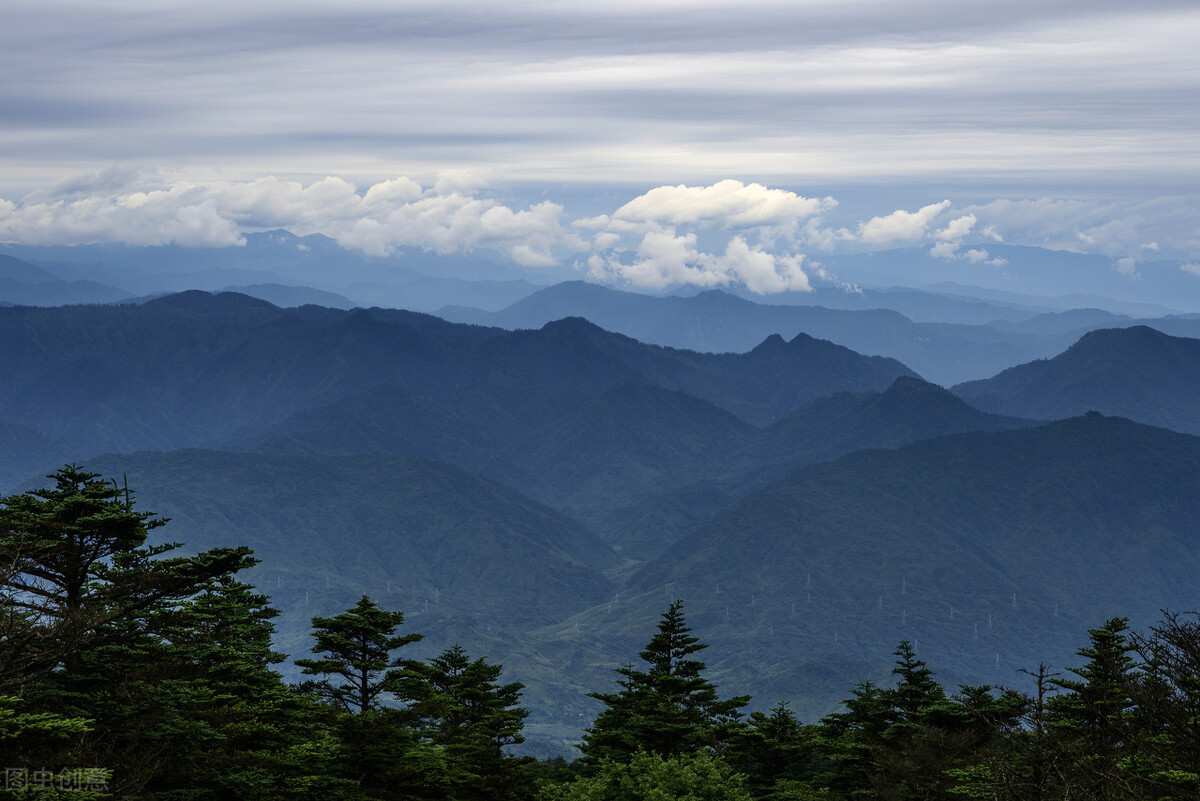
(900, 226)
(1191, 267)
(725, 233)
(727, 203)
(949, 242)
(981, 256)
(653, 241)
(665, 258)
(393, 213)
(945, 250)
(957, 229)
(179, 215)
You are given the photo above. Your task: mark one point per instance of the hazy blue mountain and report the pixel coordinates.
(759, 386)
(430, 293)
(992, 551)
(1136, 372)
(1031, 272)
(25, 284)
(194, 369)
(908, 411)
(716, 321)
(291, 296)
(333, 528)
(280, 257)
(26, 452)
(639, 464)
(1067, 302)
(918, 305)
(1064, 322)
(22, 272)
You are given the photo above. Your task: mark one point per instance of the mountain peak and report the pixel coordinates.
(1137, 372)
(199, 300)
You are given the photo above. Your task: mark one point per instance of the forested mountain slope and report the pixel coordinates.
(1136, 372)
(986, 548)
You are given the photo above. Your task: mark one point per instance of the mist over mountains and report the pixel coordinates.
(537, 481)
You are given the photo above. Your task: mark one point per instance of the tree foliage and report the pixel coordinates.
(356, 647)
(670, 707)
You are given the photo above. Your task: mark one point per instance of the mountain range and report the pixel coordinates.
(540, 495)
(942, 352)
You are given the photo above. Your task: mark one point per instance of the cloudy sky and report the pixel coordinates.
(651, 143)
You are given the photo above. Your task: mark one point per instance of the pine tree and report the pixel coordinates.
(911, 740)
(78, 573)
(1167, 695)
(670, 708)
(458, 704)
(221, 659)
(81, 593)
(774, 752)
(652, 777)
(1093, 719)
(357, 646)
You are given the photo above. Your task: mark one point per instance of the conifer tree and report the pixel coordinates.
(357, 647)
(1167, 694)
(82, 592)
(78, 573)
(1093, 719)
(458, 704)
(774, 752)
(670, 708)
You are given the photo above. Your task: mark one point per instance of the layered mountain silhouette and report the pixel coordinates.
(985, 340)
(195, 369)
(540, 495)
(1135, 372)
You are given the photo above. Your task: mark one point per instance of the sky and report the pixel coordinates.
(650, 144)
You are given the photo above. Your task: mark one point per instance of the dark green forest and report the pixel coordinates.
(129, 670)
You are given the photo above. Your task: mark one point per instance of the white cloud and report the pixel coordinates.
(1191, 267)
(389, 214)
(900, 225)
(727, 203)
(956, 229)
(762, 272)
(981, 256)
(178, 215)
(395, 190)
(945, 250)
(664, 258)
(605, 241)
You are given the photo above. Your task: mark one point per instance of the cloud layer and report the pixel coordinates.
(728, 233)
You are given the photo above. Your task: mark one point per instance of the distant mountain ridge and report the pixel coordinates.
(1136, 372)
(194, 369)
(25, 284)
(716, 321)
